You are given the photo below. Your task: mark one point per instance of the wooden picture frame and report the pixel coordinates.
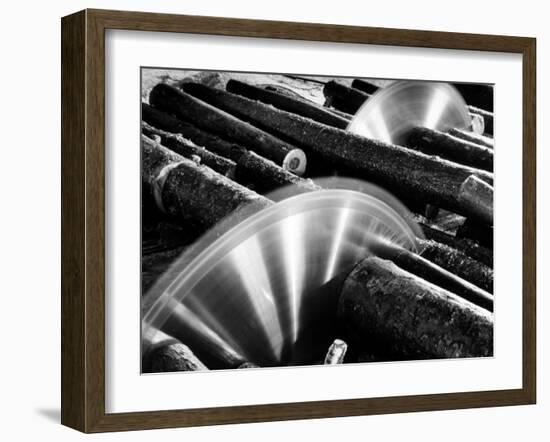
(83, 220)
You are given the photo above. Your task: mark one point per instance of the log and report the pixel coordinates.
(188, 149)
(250, 169)
(284, 102)
(410, 318)
(434, 142)
(265, 176)
(401, 170)
(457, 263)
(487, 118)
(336, 352)
(477, 232)
(364, 86)
(207, 117)
(165, 354)
(477, 124)
(189, 192)
(478, 95)
(343, 98)
(169, 123)
(477, 197)
(425, 269)
(248, 365)
(472, 137)
(464, 245)
(290, 93)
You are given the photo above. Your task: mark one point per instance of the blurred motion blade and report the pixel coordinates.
(390, 113)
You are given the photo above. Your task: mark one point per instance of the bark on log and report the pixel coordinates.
(188, 149)
(205, 116)
(284, 102)
(167, 354)
(472, 137)
(457, 263)
(364, 86)
(487, 118)
(434, 142)
(409, 317)
(401, 170)
(478, 95)
(290, 93)
(169, 123)
(189, 192)
(477, 197)
(264, 175)
(464, 245)
(343, 98)
(425, 269)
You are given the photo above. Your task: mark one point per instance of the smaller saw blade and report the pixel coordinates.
(393, 111)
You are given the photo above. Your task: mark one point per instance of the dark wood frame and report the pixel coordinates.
(83, 217)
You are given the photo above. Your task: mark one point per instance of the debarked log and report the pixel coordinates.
(287, 103)
(210, 118)
(364, 86)
(472, 137)
(402, 170)
(163, 353)
(434, 142)
(458, 263)
(431, 272)
(191, 192)
(169, 123)
(487, 118)
(190, 150)
(343, 98)
(409, 317)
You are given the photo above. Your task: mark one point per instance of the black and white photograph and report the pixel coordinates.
(298, 219)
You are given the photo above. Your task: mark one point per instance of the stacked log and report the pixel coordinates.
(205, 116)
(409, 317)
(343, 98)
(364, 86)
(402, 170)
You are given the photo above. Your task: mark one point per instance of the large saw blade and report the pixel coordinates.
(261, 291)
(392, 111)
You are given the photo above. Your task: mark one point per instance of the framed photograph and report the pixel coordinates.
(269, 220)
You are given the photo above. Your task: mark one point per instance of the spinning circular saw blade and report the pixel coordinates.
(261, 291)
(393, 111)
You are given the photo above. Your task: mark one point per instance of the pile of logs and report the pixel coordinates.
(209, 151)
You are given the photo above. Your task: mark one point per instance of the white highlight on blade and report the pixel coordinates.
(292, 233)
(439, 101)
(343, 219)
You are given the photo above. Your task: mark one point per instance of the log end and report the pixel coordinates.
(295, 161)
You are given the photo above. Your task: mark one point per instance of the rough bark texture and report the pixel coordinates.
(409, 317)
(464, 245)
(472, 137)
(421, 267)
(364, 86)
(265, 176)
(287, 103)
(169, 123)
(190, 150)
(479, 95)
(210, 118)
(477, 197)
(458, 263)
(343, 98)
(403, 171)
(487, 118)
(433, 142)
(190, 192)
(171, 357)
